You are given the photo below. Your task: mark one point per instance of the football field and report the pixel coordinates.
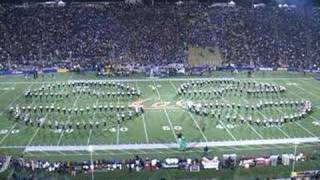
(154, 131)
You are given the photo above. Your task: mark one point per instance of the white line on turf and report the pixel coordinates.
(196, 123)
(300, 125)
(283, 132)
(15, 124)
(144, 122)
(118, 133)
(8, 133)
(145, 147)
(93, 118)
(165, 112)
(229, 132)
(145, 129)
(252, 128)
(155, 79)
(45, 118)
(62, 133)
(297, 123)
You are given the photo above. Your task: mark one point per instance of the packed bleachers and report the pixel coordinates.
(92, 34)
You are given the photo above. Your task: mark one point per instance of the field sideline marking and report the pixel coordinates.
(144, 122)
(165, 112)
(236, 143)
(154, 79)
(174, 152)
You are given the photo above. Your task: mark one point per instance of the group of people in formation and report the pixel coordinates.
(50, 115)
(208, 88)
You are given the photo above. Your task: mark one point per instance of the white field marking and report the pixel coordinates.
(300, 125)
(276, 126)
(4, 137)
(229, 132)
(118, 133)
(60, 152)
(18, 97)
(44, 152)
(166, 113)
(172, 85)
(146, 147)
(62, 133)
(252, 128)
(303, 89)
(155, 79)
(297, 123)
(144, 122)
(15, 124)
(196, 123)
(44, 120)
(145, 129)
(90, 132)
(305, 129)
(6, 91)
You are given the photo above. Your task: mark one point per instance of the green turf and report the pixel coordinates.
(148, 128)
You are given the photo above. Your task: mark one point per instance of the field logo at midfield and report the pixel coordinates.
(162, 104)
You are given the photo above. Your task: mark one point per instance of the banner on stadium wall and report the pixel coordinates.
(62, 70)
(282, 69)
(266, 69)
(49, 70)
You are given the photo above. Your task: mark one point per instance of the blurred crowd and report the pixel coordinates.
(137, 163)
(90, 35)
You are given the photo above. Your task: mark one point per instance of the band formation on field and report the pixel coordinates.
(46, 106)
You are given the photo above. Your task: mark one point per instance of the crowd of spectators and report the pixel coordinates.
(137, 164)
(92, 34)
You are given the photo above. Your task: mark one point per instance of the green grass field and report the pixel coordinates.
(162, 118)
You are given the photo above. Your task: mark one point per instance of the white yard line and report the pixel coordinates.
(62, 133)
(45, 118)
(284, 133)
(93, 118)
(252, 128)
(8, 133)
(303, 89)
(196, 123)
(297, 123)
(118, 134)
(166, 113)
(144, 123)
(300, 125)
(145, 129)
(15, 124)
(229, 132)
